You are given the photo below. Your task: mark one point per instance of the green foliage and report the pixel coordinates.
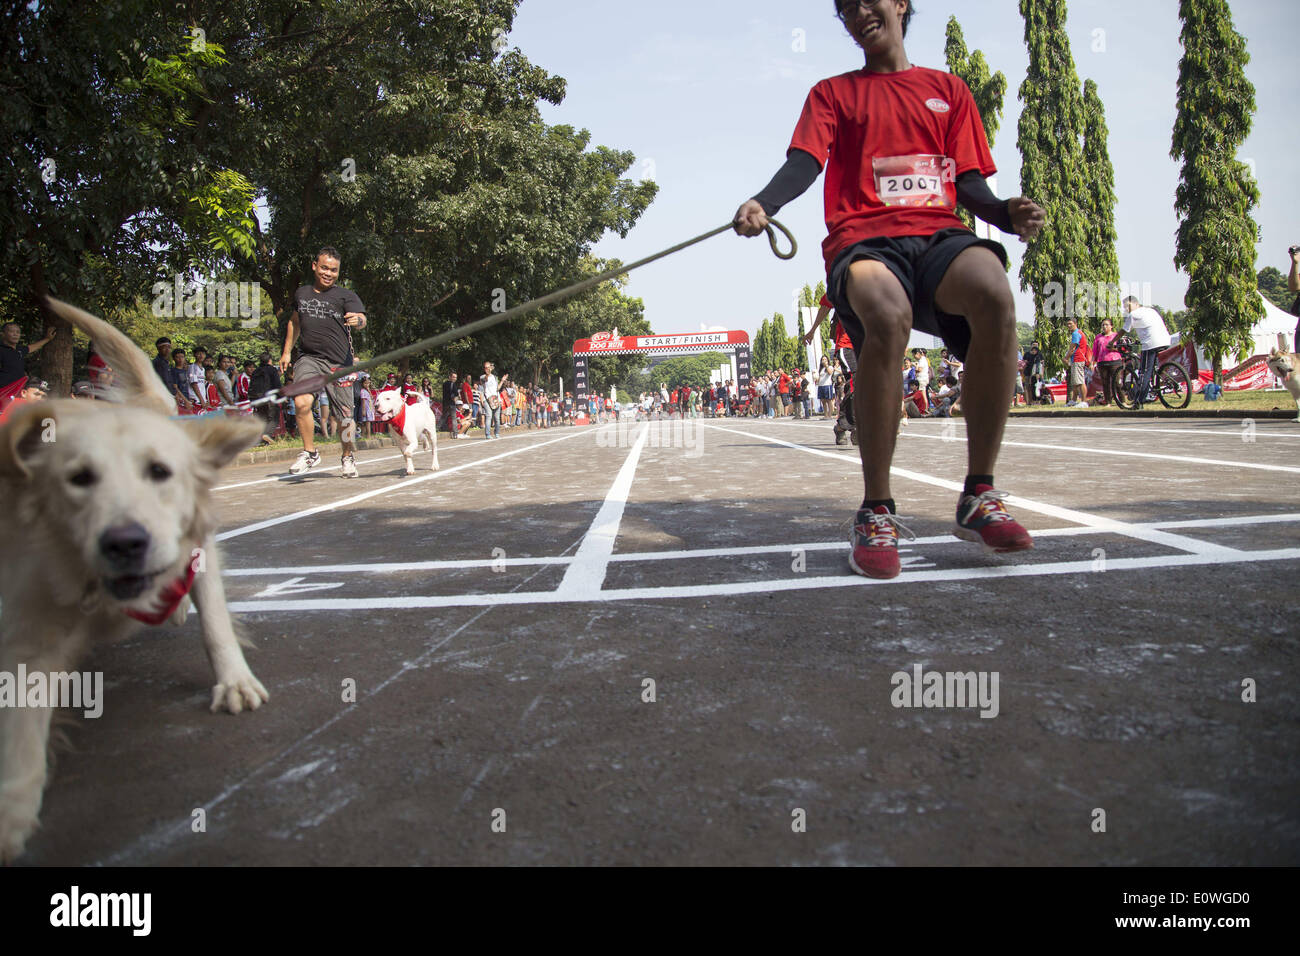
(1216, 234)
(988, 89)
(1271, 283)
(110, 179)
(405, 135)
(1100, 269)
(692, 370)
(1053, 171)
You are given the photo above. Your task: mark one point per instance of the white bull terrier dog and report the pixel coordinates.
(409, 422)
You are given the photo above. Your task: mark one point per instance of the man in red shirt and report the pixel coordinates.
(901, 146)
(1076, 388)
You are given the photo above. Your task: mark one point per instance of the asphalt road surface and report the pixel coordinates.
(643, 645)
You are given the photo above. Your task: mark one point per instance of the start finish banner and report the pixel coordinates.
(606, 343)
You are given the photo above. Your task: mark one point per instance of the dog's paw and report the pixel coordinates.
(15, 828)
(243, 692)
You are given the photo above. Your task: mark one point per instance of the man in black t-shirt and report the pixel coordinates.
(13, 357)
(323, 315)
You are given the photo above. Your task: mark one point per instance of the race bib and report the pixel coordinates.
(915, 180)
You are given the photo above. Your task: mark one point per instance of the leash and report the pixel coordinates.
(315, 383)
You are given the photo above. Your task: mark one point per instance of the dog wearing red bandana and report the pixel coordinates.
(410, 417)
(109, 503)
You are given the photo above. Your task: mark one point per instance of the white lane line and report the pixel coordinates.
(389, 489)
(586, 574)
(993, 572)
(1191, 431)
(908, 433)
(317, 470)
(699, 553)
(1177, 542)
(1127, 454)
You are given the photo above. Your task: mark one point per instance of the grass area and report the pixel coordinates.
(1248, 401)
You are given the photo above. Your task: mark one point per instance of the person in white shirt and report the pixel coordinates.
(1150, 329)
(922, 368)
(492, 400)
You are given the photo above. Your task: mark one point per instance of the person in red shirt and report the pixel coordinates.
(902, 145)
(1076, 387)
(914, 403)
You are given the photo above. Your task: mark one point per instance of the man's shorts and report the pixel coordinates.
(1076, 373)
(919, 263)
(340, 396)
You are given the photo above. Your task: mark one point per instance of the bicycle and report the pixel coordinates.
(1170, 381)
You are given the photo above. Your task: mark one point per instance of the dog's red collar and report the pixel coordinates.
(168, 600)
(398, 421)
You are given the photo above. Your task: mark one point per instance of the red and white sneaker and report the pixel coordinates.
(982, 518)
(875, 543)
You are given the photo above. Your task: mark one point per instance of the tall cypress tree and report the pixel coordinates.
(1216, 234)
(1103, 263)
(1052, 171)
(988, 89)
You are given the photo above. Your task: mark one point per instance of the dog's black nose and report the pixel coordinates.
(125, 546)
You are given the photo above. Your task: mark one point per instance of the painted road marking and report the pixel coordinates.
(586, 575)
(731, 589)
(389, 489)
(1065, 514)
(700, 553)
(1190, 431)
(318, 469)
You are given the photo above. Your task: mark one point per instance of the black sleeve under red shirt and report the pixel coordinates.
(893, 146)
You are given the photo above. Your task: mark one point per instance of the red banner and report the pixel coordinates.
(606, 343)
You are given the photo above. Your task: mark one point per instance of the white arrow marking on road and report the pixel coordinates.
(293, 587)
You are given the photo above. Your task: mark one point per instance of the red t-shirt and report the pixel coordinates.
(783, 385)
(892, 145)
(840, 337)
(918, 396)
(1081, 350)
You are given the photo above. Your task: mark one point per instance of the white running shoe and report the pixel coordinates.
(306, 462)
(349, 467)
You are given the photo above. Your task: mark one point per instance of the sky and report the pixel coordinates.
(706, 95)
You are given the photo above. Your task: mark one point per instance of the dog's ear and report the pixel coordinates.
(27, 429)
(220, 438)
(135, 382)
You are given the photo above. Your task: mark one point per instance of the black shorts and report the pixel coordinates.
(919, 263)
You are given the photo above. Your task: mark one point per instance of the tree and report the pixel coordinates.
(989, 90)
(692, 370)
(1101, 268)
(764, 356)
(541, 344)
(1052, 169)
(1271, 283)
(110, 179)
(431, 170)
(1216, 234)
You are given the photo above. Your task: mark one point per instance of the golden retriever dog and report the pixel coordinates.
(1286, 366)
(109, 506)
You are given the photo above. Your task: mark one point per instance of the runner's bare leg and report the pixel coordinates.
(878, 299)
(976, 286)
(306, 424)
